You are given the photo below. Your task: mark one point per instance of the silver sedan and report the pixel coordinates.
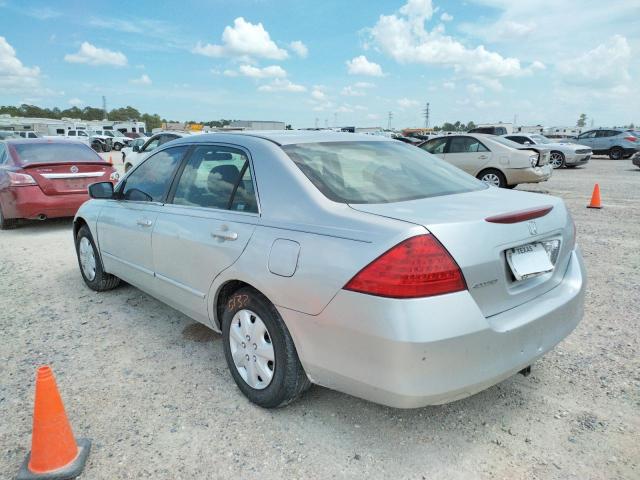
(568, 155)
(350, 261)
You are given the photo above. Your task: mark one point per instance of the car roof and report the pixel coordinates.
(289, 137)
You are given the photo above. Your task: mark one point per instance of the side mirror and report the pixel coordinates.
(528, 143)
(101, 190)
(136, 148)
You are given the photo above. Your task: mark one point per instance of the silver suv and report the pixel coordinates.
(617, 143)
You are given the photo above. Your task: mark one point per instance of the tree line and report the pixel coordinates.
(122, 114)
(454, 127)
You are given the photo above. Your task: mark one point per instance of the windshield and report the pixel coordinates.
(507, 142)
(117, 133)
(541, 139)
(55, 153)
(377, 172)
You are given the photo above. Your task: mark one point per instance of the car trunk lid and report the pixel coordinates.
(479, 246)
(68, 177)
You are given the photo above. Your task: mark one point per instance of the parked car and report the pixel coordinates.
(29, 134)
(100, 143)
(494, 160)
(118, 140)
(561, 154)
(43, 178)
(138, 152)
(352, 261)
(490, 130)
(616, 143)
(4, 134)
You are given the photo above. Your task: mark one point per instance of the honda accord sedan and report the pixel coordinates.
(46, 178)
(354, 262)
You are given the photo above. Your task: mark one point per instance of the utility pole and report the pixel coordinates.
(425, 112)
(104, 107)
(389, 122)
(335, 119)
(326, 123)
(317, 122)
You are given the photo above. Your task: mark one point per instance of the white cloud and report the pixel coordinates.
(445, 17)
(607, 65)
(364, 85)
(350, 91)
(92, 55)
(403, 37)
(361, 66)
(76, 102)
(280, 85)
(13, 74)
(408, 103)
(475, 89)
(318, 94)
(299, 48)
(272, 71)
(143, 80)
(243, 39)
(449, 85)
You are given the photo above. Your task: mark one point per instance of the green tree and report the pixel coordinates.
(469, 126)
(582, 120)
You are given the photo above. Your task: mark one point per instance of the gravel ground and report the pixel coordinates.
(151, 387)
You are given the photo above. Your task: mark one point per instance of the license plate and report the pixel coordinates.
(529, 261)
(75, 184)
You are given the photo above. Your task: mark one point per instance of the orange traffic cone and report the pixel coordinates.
(110, 160)
(54, 451)
(595, 198)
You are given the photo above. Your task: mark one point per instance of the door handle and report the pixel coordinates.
(143, 222)
(225, 234)
(482, 157)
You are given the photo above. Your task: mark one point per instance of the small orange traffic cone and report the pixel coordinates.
(54, 451)
(110, 160)
(595, 198)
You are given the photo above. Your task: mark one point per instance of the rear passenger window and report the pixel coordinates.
(465, 145)
(217, 177)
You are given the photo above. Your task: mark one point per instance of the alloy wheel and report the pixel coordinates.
(87, 258)
(251, 349)
(556, 160)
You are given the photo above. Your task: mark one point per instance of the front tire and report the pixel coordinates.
(90, 265)
(493, 177)
(260, 352)
(557, 160)
(616, 153)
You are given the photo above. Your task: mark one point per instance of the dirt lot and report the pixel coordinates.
(153, 391)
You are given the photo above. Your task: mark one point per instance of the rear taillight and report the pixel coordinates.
(20, 179)
(631, 139)
(417, 267)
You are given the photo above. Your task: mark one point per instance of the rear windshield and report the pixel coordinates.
(377, 172)
(55, 152)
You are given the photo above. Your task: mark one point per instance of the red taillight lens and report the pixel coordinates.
(417, 267)
(20, 179)
(631, 139)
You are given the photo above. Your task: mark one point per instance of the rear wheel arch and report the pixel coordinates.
(224, 293)
(77, 225)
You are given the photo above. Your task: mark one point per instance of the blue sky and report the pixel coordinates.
(351, 62)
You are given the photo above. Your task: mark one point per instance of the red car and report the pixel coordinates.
(47, 178)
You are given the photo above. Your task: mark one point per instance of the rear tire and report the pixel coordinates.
(7, 223)
(117, 147)
(493, 177)
(616, 153)
(288, 380)
(92, 273)
(106, 148)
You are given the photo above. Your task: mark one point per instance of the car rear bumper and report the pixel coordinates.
(412, 353)
(528, 175)
(31, 202)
